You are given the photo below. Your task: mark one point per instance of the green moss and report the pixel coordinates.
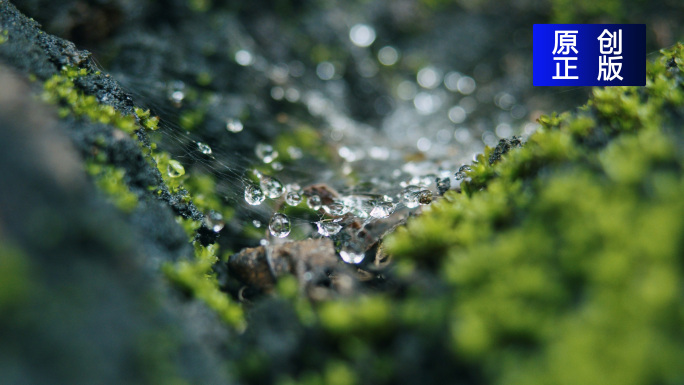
(202, 187)
(196, 277)
(111, 180)
(204, 79)
(566, 11)
(564, 256)
(199, 5)
(60, 90)
(367, 316)
(4, 36)
(191, 119)
(147, 121)
(189, 225)
(14, 275)
(305, 138)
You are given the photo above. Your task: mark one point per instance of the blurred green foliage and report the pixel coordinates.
(564, 257)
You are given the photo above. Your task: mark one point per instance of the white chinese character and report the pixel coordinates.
(564, 42)
(567, 67)
(611, 44)
(608, 68)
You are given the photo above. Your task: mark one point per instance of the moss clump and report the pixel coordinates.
(111, 180)
(14, 275)
(304, 138)
(563, 257)
(147, 121)
(196, 277)
(60, 90)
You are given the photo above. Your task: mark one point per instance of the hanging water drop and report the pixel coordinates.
(336, 208)
(293, 198)
(327, 227)
(425, 197)
(410, 196)
(175, 93)
(234, 125)
(352, 257)
(204, 148)
(175, 169)
(214, 221)
(279, 225)
(256, 223)
(359, 212)
(314, 202)
(253, 195)
(271, 187)
(461, 173)
(382, 210)
(265, 152)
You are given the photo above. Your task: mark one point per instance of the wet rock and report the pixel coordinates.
(313, 262)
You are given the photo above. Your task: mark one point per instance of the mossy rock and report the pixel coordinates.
(564, 257)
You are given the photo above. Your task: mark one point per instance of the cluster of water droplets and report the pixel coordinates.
(446, 97)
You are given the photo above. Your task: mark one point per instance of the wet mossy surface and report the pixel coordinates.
(558, 262)
(563, 258)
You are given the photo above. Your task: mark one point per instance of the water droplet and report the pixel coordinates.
(177, 97)
(204, 148)
(294, 152)
(175, 169)
(336, 208)
(293, 198)
(244, 57)
(234, 125)
(264, 242)
(327, 227)
(443, 185)
(257, 174)
(271, 187)
(293, 187)
(359, 212)
(466, 85)
(279, 225)
(175, 93)
(349, 255)
(425, 197)
(314, 202)
(461, 173)
(388, 55)
(253, 195)
(325, 70)
(362, 35)
(256, 223)
(214, 221)
(429, 77)
(359, 205)
(410, 196)
(382, 209)
(277, 166)
(423, 144)
(265, 152)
